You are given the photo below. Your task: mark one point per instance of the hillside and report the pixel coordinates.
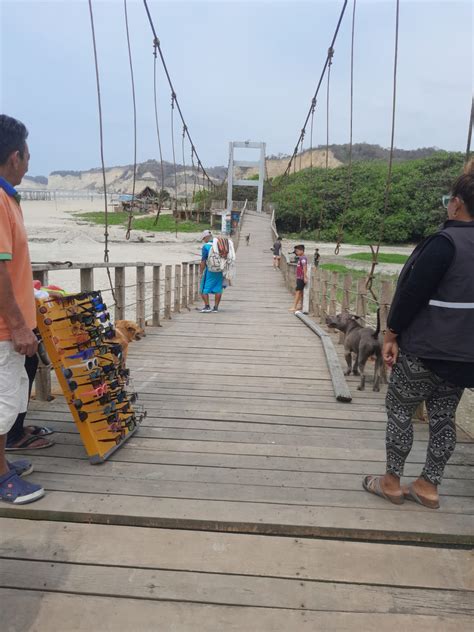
(415, 202)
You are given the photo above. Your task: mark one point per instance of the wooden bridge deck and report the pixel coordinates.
(238, 506)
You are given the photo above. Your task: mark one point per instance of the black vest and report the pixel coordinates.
(444, 329)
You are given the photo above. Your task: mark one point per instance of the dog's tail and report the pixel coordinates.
(375, 335)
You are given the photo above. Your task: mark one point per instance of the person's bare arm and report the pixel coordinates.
(24, 340)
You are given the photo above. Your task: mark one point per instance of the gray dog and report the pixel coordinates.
(361, 341)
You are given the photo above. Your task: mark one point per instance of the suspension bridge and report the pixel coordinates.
(239, 504)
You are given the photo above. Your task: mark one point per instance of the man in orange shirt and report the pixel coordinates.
(17, 307)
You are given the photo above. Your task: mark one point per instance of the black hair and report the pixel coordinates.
(13, 135)
(463, 187)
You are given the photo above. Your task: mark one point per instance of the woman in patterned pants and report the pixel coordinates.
(430, 346)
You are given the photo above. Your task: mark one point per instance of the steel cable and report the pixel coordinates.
(340, 235)
(101, 142)
(132, 79)
(158, 135)
(375, 250)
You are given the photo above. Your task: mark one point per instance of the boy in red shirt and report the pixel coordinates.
(301, 277)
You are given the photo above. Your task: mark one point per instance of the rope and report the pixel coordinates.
(184, 166)
(325, 66)
(158, 135)
(340, 235)
(101, 139)
(132, 79)
(469, 133)
(173, 97)
(321, 215)
(313, 107)
(375, 250)
(173, 91)
(194, 172)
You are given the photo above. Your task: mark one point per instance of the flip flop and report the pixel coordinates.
(26, 444)
(372, 485)
(410, 494)
(40, 431)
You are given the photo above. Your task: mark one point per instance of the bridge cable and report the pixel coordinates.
(348, 201)
(158, 135)
(184, 166)
(313, 107)
(194, 172)
(325, 66)
(101, 142)
(173, 91)
(469, 134)
(173, 97)
(132, 80)
(375, 249)
(325, 198)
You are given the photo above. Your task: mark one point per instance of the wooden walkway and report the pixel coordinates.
(238, 506)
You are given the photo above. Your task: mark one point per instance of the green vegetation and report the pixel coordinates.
(166, 223)
(383, 257)
(414, 211)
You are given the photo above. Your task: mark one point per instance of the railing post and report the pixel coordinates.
(177, 288)
(156, 300)
(346, 301)
(324, 296)
(120, 293)
(185, 292)
(361, 305)
(43, 375)
(385, 299)
(140, 293)
(191, 283)
(168, 273)
(333, 301)
(197, 280)
(87, 279)
(316, 291)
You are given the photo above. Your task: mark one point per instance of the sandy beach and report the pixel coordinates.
(56, 235)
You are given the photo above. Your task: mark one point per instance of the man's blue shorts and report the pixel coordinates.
(211, 282)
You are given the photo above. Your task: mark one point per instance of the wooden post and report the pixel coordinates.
(333, 300)
(324, 296)
(156, 300)
(185, 292)
(385, 299)
(140, 289)
(197, 281)
(43, 375)
(316, 291)
(191, 284)
(361, 306)
(87, 279)
(177, 288)
(120, 293)
(168, 273)
(346, 301)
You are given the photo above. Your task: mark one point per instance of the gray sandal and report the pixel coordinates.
(372, 485)
(410, 494)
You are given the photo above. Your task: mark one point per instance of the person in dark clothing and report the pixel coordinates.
(317, 257)
(430, 345)
(277, 253)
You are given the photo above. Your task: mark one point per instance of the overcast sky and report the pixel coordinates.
(241, 70)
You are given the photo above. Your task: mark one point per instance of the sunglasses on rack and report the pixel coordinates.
(117, 397)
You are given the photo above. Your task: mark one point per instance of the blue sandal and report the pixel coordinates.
(16, 491)
(21, 467)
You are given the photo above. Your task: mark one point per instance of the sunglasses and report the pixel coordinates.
(87, 354)
(106, 398)
(88, 365)
(446, 199)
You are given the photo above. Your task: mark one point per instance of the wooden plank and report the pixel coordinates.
(274, 519)
(239, 554)
(341, 389)
(80, 613)
(230, 590)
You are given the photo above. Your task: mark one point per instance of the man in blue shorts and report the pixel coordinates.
(211, 282)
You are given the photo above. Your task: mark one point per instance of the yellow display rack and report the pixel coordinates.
(89, 369)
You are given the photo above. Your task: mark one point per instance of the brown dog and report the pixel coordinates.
(126, 331)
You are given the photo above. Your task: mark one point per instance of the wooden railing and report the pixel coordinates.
(156, 293)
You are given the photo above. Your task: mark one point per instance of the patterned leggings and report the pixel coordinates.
(410, 384)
